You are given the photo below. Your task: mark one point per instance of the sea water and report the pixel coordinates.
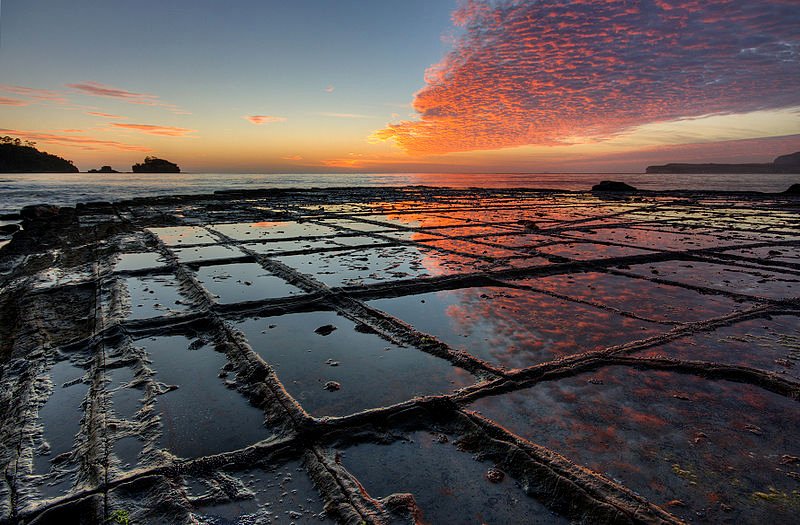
(67, 189)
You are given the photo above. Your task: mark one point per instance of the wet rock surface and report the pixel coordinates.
(408, 355)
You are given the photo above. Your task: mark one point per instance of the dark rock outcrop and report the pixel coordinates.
(37, 212)
(104, 169)
(155, 165)
(16, 158)
(612, 185)
(794, 189)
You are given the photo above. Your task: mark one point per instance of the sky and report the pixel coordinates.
(313, 86)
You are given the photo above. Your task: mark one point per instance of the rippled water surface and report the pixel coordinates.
(17, 190)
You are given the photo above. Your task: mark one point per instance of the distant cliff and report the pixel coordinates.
(18, 158)
(154, 165)
(783, 164)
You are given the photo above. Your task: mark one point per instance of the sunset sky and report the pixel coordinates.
(417, 85)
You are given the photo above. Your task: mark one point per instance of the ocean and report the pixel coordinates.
(18, 190)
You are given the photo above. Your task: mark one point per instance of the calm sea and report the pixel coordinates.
(18, 190)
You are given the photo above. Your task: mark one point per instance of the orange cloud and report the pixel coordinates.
(292, 157)
(12, 102)
(85, 143)
(104, 115)
(552, 72)
(164, 131)
(264, 119)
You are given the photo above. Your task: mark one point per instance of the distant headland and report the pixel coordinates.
(783, 164)
(17, 156)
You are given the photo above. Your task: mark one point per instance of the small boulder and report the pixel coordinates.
(332, 386)
(495, 475)
(325, 329)
(39, 211)
(612, 185)
(9, 228)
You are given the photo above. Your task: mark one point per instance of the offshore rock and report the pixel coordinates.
(612, 185)
(155, 165)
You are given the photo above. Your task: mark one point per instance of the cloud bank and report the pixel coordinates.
(164, 131)
(40, 95)
(96, 89)
(555, 71)
(104, 115)
(5, 101)
(84, 143)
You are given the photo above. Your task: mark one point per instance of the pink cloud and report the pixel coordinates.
(81, 142)
(264, 119)
(550, 72)
(12, 102)
(96, 89)
(329, 89)
(41, 95)
(164, 131)
(104, 115)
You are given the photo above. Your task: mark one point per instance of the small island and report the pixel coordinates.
(19, 157)
(783, 164)
(103, 169)
(155, 165)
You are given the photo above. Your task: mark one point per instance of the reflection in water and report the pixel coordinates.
(655, 301)
(61, 414)
(758, 282)
(233, 283)
(700, 448)
(202, 416)
(272, 230)
(273, 494)
(769, 344)
(178, 235)
(513, 328)
(370, 371)
(449, 485)
(153, 296)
